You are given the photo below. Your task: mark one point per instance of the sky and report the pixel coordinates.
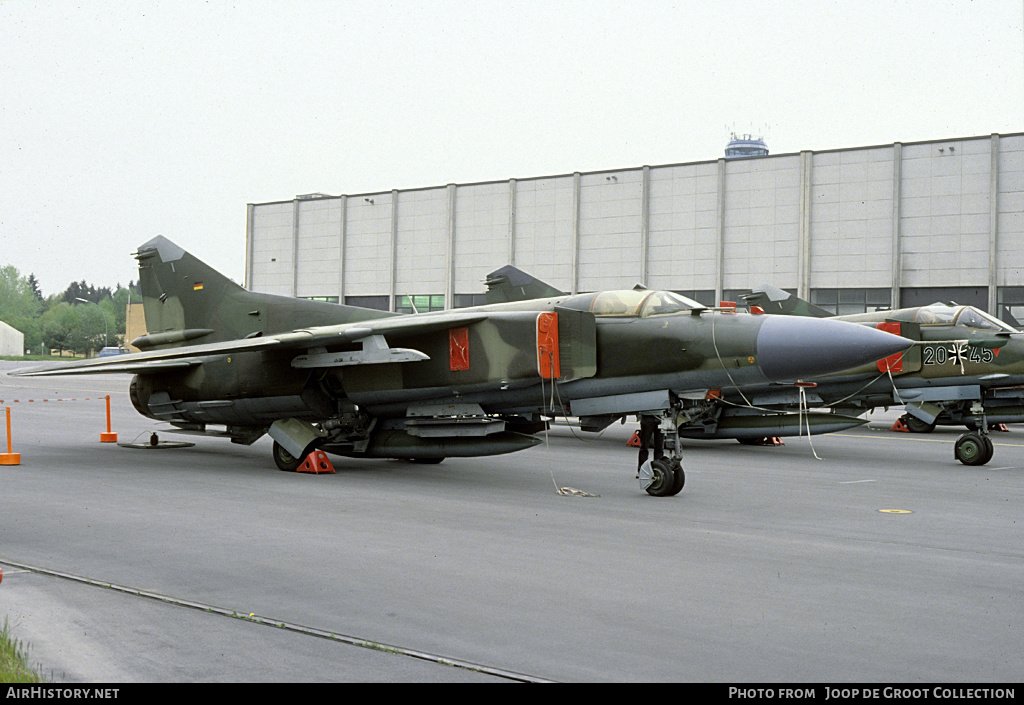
(120, 121)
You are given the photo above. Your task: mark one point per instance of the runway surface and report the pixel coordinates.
(884, 560)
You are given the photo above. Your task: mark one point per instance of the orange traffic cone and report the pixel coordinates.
(109, 436)
(9, 458)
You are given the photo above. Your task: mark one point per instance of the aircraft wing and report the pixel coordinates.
(150, 361)
(313, 340)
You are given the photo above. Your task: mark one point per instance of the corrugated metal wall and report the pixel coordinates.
(946, 213)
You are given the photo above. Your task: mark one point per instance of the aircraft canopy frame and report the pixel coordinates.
(632, 303)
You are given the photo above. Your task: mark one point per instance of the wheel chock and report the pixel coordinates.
(634, 440)
(769, 441)
(9, 458)
(316, 463)
(1001, 427)
(900, 426)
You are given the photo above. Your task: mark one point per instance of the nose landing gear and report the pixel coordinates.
(663, 476)
(975, 447)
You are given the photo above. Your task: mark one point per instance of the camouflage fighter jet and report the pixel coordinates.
(966, 368)
(464, 382)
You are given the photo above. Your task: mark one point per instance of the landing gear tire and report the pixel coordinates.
(662, 477)
(916, 425)
(285, 460)
(679, 477)
(973, 449)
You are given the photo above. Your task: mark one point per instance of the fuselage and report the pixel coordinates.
(607, 344)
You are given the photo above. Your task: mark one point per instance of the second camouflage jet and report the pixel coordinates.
(966, 368)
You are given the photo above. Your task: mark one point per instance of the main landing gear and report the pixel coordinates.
(662, 476)
(285, 460)
(975, 447)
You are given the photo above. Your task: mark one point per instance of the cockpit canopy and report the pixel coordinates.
(957, 316)
(631, 303)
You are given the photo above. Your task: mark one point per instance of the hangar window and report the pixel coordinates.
(1010, 305)
(419, 303)
(705, 297)
(467, 300)
(843, 302)
(380, 303)
(976, 296)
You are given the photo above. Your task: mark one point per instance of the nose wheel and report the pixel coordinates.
(975, 447)
(663, 476)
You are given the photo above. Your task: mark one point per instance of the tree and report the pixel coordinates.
(57, 326)
(81, 290)
(65, 321)
(33, 285)
(19, 306)
(91, 328)
(117, 304)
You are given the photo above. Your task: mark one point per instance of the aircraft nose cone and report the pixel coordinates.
(792, 348)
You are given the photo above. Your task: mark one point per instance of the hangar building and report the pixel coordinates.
(12, 340)
(851, 230)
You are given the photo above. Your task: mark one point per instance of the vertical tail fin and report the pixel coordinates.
(511, 284)
(186, 301)
(179, 294)
(774, 300)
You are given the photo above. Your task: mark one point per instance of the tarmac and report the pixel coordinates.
(862, 556)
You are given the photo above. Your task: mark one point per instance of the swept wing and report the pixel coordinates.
(318, 338)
